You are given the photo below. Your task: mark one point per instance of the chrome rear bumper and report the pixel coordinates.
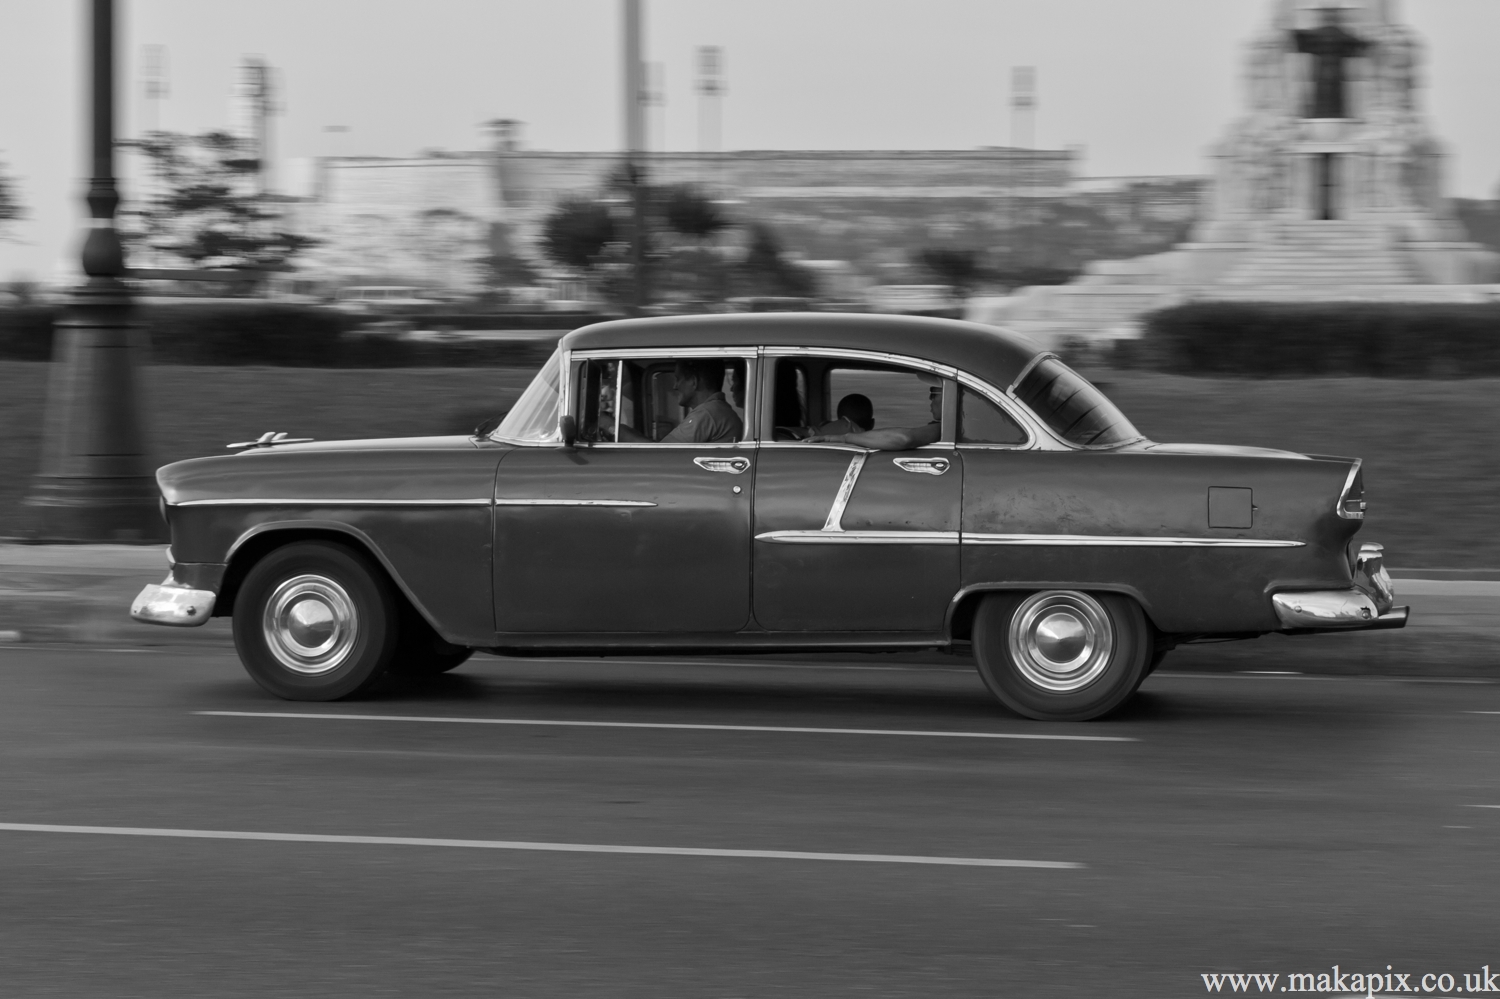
(1367, 605)
(172, 605)
(1334, 610)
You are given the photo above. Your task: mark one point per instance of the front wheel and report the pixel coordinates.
(1062, 655)
(315, 621)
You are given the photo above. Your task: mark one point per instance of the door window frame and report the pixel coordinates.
(750, 355)
(949, 374)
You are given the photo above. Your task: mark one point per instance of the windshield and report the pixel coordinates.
(533, 419)
(1075, 410)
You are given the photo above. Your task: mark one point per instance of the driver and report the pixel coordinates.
(896, 438)
(699, 384)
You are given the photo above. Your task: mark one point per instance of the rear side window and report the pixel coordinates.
(982, 422)
(1075, 410)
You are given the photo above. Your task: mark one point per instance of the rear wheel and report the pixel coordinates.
(315, 621)
(1062, 655)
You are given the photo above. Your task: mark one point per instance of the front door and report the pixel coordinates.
(623, 539)
(628, 532)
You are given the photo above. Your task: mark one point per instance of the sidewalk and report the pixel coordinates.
(81, 594)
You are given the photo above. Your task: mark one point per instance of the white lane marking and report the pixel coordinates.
(500, 844)
(1483, 806)
(1482, 712)
(664, 725)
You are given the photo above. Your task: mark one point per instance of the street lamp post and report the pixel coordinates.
(634, 87)
(95, 481)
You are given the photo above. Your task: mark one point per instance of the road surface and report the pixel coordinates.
(663, 829)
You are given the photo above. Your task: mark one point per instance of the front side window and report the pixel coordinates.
(662, 400)
(1072, 407)
(533, 419)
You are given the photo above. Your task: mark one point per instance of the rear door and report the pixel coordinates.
(849, 539)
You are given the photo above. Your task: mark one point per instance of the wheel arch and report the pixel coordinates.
(262, 539)
(958, 624)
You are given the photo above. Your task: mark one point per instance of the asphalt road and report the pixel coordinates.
(1239, 823)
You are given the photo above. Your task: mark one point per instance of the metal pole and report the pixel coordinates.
(95, 482)
(635, 149)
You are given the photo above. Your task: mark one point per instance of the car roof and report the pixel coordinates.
(994, 354)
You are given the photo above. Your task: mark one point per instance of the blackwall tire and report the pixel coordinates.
(1062, 655)
(315, 621)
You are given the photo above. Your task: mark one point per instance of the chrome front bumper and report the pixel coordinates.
(173, 605)
(1367, 605)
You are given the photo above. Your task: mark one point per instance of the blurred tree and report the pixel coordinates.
(577, 232)
(504, 269)
(768, 271)
(205, 209)
(959, 269)
(10, 205)
(688, 212)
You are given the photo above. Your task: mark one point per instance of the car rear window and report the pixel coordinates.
(1075, 410)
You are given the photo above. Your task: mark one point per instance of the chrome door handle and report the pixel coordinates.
(922, 466)
(731, 466)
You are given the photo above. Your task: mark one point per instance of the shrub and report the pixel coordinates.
(278, 335)
(1310, 340)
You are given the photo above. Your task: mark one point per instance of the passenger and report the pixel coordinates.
(895, 438)
(710, 419)
(855, 415)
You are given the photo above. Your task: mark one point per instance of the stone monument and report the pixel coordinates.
(1329, 187)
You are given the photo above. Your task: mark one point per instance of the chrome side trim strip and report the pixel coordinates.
(572, 502)
(846, 490)
(1109, 541)
(860, 537)
(331, 501)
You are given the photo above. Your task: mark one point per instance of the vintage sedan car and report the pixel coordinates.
(1019, 515)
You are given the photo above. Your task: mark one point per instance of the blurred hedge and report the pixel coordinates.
(1308, 340)
(272, 334)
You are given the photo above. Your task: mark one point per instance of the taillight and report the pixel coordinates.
(1351, 505)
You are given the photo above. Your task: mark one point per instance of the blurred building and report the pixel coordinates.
(437, 217)
(1329, 187)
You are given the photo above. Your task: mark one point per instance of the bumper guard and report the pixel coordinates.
(173, 605)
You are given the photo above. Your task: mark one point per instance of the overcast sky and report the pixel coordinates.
(1143, 85)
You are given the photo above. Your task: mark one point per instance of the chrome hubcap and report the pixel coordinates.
(310, 625)
(1061, 640)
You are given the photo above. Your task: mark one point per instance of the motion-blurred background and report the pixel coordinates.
(375, 218)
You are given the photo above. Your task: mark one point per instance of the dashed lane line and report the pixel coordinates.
(498, 844)
(554, 723)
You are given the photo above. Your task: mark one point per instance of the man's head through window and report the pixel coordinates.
(695, 379)
(858, 410)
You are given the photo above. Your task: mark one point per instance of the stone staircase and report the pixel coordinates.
(1333, 254)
